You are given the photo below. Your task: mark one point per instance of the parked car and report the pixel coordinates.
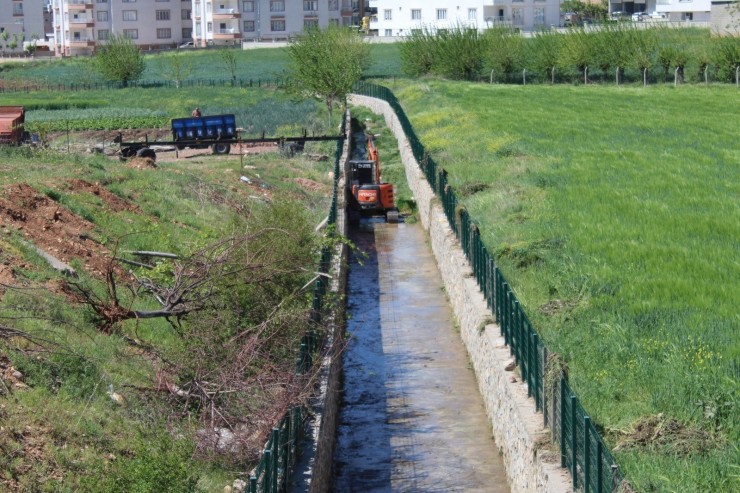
(189, 44)
(658, 15)
(640, 16)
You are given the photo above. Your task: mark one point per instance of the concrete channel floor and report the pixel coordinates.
(412, 419)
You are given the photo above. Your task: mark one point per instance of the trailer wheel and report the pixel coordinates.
(147, 152)
(221, 148)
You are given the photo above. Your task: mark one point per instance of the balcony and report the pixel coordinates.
(79, 5)
(226, 14)
(81, 22)
(226, 34)
(82, 42)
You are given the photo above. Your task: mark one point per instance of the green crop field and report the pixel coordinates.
(614, 213)
(254, 64)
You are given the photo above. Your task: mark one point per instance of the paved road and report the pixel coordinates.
(412, 419)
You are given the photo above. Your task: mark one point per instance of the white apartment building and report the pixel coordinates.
(231, 21)
(673, 10)
(396, 18)
(151, 24)
(22, 20)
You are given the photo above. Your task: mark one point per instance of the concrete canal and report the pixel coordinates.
(412, 419)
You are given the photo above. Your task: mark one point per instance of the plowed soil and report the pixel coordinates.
(50, 226)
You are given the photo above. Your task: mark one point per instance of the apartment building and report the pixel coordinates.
(151, 24)
(22, 20)
(232, 21)
(672, 10)
(396, 18)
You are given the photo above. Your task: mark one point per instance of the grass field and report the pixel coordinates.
(92, 443)
(615, 215)
(259, 63)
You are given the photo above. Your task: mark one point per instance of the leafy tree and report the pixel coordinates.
(175, 67)
(13, 42)
(119, 59)
(326, 64)
(544, 52)
(228, 56)
(505, 49)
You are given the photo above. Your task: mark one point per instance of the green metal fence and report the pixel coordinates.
(281, 450)
(583, 451)
(48, 86)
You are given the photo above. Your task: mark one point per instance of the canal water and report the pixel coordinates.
(412, 419)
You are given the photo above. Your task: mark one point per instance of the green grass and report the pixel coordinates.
(183, 205)
(256, 110)
(254, 64)
(623, 204)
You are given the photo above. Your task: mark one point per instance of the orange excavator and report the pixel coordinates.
(370, 196)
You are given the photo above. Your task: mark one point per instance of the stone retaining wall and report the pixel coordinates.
(517, 429)
(314, 473)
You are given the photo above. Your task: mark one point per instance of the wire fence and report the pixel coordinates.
(281, 450)
(582, 449)
(10, 86)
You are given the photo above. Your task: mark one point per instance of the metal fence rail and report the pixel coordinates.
(583, 451)
(279, 455)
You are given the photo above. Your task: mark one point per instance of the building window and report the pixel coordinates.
(277, 24)
(128, 1)
(131, 33)
(472, 14)
(209, 27)
(388, 14)
(163, 15)
(248, 6)
(187, 33)
(539, 16)
(103, 34)
(248, 26)
(129, 15)
(310, 5)
(17, 9)
(310, 22)
(102, 1)
(102, 15)
(415, 14)
(333, 5)
(389, 32)
(164, 33)
(163, 1)
(516, 16)
(186, 14)
(441, 14)
(278, 6)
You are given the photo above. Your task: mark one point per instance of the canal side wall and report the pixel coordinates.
(315, 474)
(516, 427)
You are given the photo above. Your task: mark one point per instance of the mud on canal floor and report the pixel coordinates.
(412, 419)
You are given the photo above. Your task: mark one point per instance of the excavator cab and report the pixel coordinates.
(370, 195)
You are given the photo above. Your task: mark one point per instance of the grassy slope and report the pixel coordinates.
(622, 203)
(184, 206)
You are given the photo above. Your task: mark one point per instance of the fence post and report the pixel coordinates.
(252, 484)
(574, 441)
(275, 458)
(563, 462)
(268, 471)
(586, 453)
(599, 471)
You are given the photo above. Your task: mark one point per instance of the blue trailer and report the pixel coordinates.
(218, 132)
